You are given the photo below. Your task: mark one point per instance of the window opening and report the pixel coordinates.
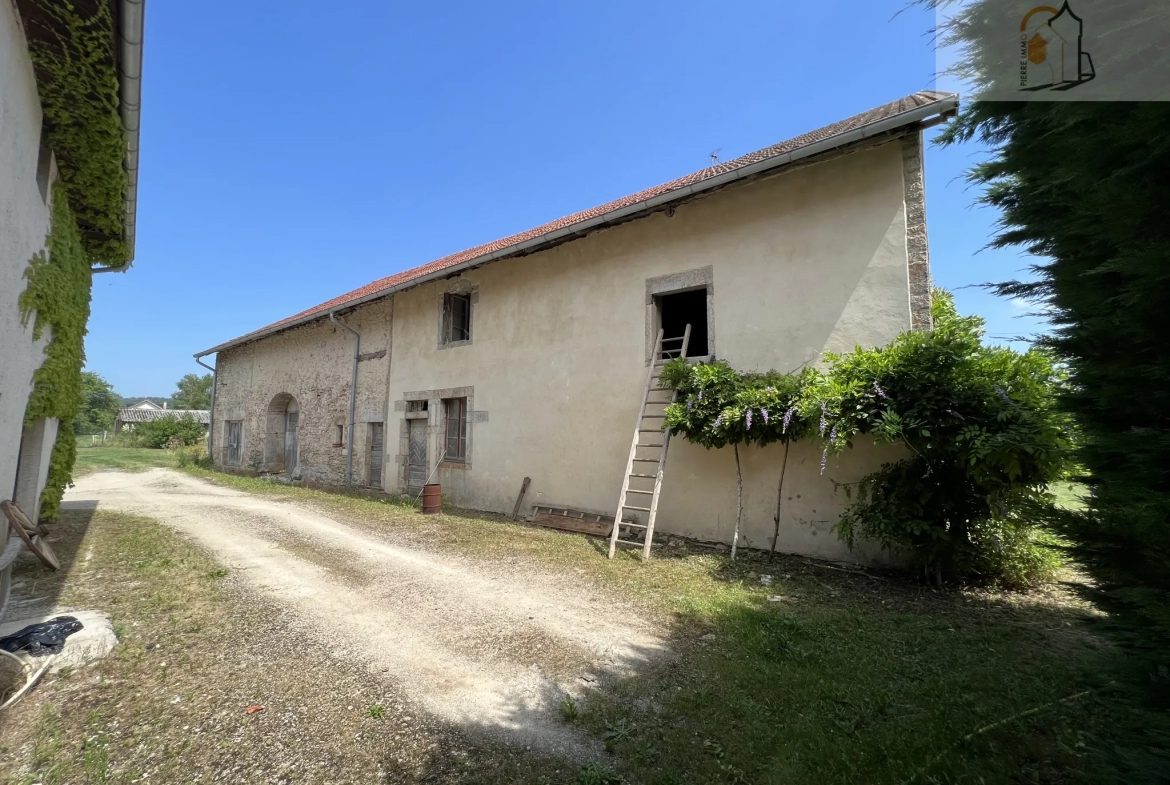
(456, 412)
(679, 309)
(458, 311)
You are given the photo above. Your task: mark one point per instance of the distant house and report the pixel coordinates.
(149, 411)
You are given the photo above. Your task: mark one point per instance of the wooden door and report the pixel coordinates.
(376, 450)
(416, 463)
(290, 442)
(234, 442)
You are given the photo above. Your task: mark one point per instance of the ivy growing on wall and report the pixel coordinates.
(58, 292)
(78, 85)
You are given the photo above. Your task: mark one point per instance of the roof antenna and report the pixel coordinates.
(715, 156)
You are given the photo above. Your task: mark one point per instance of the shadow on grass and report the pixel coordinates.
(831, 676)
(36, 590)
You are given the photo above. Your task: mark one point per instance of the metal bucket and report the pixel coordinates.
(432, 498)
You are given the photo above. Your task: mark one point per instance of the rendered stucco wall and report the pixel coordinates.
(810, 261)
(313, 364)
(24, 223)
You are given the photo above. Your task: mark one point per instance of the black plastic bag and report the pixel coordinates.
(47, 637)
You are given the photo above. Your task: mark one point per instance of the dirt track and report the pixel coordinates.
(484, 647)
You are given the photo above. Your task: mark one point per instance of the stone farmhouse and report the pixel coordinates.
(528, 356)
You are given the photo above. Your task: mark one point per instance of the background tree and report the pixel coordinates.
(194, 392)
(99, 405)
(1083, 187)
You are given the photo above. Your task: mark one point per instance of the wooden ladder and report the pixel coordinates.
(658, 359)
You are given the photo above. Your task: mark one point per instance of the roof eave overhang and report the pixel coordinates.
(941, 107)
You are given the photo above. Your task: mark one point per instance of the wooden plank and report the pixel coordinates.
(520, 498)
(577, 525)
(31, 534)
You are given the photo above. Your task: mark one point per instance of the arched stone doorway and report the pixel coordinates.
(280, 442)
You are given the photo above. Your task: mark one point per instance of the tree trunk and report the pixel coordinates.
(738, 502)
(779, 500)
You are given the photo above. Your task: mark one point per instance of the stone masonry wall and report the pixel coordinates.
(313, 364)
(917, 245)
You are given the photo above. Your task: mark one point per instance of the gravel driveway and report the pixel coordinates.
(477, 644)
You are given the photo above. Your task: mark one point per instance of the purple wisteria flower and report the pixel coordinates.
(880, 392)
(833, 435)
(719, 421)
(749, 419)
(764, 412)
(700, 395)
(690, 404)
(788, 418)
(824, 460)
(824, 424)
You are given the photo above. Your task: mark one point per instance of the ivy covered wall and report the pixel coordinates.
(73, 49)
(58, 293)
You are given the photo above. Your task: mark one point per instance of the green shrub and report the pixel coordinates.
(169, 431)
(193, 455)
(980, 422)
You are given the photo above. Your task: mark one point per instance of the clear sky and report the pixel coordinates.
(295, 151)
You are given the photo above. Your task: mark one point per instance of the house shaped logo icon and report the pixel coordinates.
(1051, 55)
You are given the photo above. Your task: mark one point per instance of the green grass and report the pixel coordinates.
(824, 676)
(133, 459)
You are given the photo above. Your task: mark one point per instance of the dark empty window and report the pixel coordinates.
(457, 313)
(677, 311)
(456, 414)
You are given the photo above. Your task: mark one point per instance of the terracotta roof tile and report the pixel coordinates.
(877, 114)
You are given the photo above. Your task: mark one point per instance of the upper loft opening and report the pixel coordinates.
(679, 309)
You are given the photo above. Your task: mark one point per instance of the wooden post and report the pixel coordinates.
(520, 498)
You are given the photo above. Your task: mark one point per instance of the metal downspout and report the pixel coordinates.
(211, 414)
(357, 348)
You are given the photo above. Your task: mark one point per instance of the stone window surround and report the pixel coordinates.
(435, 415)
(457, 286)
(689, 280)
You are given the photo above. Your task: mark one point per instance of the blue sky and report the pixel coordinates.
(291, 156)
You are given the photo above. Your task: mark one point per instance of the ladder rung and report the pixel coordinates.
(644, 493)
(647, 476)
(668, 340)
(630, 542)
(631, 507)
(649, 430)
(645, 460)
(635, 525)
